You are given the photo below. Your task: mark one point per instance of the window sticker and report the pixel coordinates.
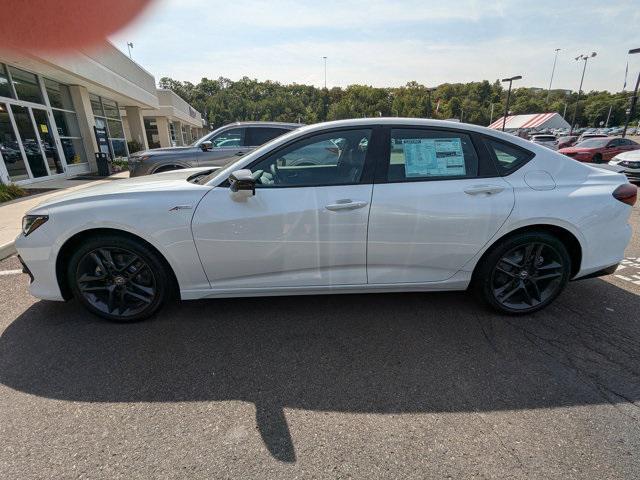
(433, 157)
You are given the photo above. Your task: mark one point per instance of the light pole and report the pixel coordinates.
(506, 107)
(634, 99)
(575, 111)
(553, 70)
(429, 112)
(325, 72)
(129, 47)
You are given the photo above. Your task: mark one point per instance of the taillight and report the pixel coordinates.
(626, 193)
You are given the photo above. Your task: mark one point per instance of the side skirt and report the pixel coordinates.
(460, 281)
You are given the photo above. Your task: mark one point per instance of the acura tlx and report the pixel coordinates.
(353, 206)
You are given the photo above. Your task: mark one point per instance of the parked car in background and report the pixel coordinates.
(545, 140)
(214, 149)
(386, 214)
(566, 141)
(587, 135)
(629, 162)
(598, 150)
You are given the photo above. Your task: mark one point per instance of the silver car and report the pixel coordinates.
(214, 149)
(545, 140)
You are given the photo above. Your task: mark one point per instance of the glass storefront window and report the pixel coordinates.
(73, 150)
(59, 96)
(119, 146)
(26, 85)
(29, 141)
(67, 123)
(10, 149)
(115, 128)
(96, 105)
(5, 88)
(110, 109)
(151, 129)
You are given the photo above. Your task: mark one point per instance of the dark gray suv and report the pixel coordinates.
(214, 149)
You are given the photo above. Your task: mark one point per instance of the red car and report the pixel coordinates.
(566, 141)
(598, 150)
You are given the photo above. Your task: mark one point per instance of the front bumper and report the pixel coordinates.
(25, 269)
(632, 175)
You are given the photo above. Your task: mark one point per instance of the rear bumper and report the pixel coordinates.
(601, 273)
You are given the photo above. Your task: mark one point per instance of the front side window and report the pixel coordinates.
(418, 154)
(508, 158)
(335, 158)
(229, 138)
(258, 135)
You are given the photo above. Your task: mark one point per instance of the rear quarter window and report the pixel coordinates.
(507, 157)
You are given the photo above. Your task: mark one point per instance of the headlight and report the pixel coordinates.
(626, 163)
(32, 222)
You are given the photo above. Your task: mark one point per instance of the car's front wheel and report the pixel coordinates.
(523, 273)
(118, 278)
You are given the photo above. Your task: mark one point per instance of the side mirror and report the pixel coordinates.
(206, 145)
(242, 180)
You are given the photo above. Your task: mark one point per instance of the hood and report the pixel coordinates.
(631, 156)
(167, 181)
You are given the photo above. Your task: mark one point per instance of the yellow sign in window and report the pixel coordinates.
(44, 128)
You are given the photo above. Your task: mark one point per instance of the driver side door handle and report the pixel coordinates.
(346, 204)
(480, 189)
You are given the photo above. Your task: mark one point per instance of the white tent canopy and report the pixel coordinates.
(538, 121)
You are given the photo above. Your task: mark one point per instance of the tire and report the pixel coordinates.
(118, 278)
(597, 158)
(523, 273)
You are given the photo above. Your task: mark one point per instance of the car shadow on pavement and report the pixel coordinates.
(377, 353)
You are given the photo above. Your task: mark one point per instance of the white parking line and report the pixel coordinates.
(631, 268)
(10, 272)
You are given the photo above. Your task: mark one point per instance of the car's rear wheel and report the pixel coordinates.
(118, 278)
(597, 158)
(524, 273)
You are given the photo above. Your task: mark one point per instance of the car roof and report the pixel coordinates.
(264, 124)
(414, 122)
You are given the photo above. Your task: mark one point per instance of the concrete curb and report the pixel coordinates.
(7, 250)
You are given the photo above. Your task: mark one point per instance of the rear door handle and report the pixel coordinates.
(345, 205)
(239, 154)
(479, 189)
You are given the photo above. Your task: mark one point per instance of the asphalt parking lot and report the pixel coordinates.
(353, 386)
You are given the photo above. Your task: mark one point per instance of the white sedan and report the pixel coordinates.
(629, 164)
(405, 205)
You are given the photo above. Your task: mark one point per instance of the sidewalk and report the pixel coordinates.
(11, 213)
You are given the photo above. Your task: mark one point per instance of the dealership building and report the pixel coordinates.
(57, 112)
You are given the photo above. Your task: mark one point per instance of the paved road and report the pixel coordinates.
(362, 386)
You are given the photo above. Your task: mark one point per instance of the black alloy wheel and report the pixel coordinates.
(118, 279)
(525, 273)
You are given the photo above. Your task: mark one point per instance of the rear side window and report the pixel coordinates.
(258, 135)
(420, 154)
(508, 158)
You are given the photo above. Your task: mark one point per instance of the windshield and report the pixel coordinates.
(593, 143)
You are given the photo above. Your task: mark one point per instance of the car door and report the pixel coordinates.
(436, 202)
(613, 148)
(306, 225)
(226, 145)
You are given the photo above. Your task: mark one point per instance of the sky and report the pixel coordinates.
(388, 42)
